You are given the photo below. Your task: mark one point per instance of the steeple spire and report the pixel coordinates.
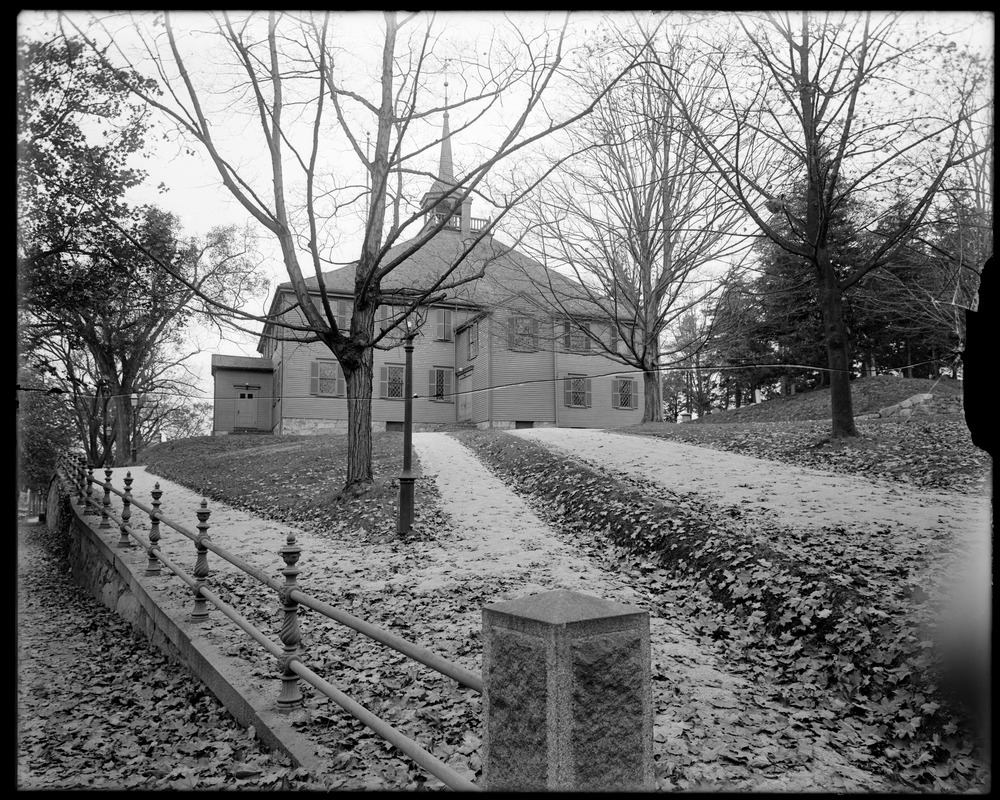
(446, 169)
(445, 180)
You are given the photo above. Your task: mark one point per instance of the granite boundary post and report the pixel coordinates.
(567, 695)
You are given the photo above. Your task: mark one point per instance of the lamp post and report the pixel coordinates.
(405, 520)
(134, 400)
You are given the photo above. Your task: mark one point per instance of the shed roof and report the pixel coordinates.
(247, 363)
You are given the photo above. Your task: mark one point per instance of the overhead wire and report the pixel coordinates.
(628, 371)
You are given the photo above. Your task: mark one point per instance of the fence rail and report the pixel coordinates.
(80, 481)
(566, 677)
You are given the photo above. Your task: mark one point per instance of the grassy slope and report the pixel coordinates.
(295, 478)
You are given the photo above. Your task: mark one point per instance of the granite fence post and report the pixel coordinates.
(567, 695)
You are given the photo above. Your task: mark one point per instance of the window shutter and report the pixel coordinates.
(341, 381)
(314, 378)
(587, 401)
(568, 391)
(635, 395)
(447, 387)
(510, 333)
(444, 324)
(615, 393)
(567, 337)
(534, 334)
(614, 337)
(383, 382)
(431, 383)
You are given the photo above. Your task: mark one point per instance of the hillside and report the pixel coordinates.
(296, 478)
(931, 451)
(869, 395)
(695, 558)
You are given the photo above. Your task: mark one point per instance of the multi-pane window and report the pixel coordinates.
(384, 316)
(341, 311)
(391, 381)
(444, 324)
(624, 393)
(440, 382)
(326, 379)
(522, 333)
(384, 320)
(576, 391)
(575, 338)
(473, 340)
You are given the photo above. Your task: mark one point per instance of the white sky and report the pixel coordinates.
(199, 200)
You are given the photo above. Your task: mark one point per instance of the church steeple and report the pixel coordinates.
(446, 167)
(432, 202)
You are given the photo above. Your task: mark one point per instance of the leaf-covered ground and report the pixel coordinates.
(839, 618)
(930, 452)
(293, 480)
(99, 708)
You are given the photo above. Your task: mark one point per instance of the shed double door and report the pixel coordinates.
(246, 408)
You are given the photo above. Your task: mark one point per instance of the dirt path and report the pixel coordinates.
(771, 493)
(495, 532)
(711, 724)
(793, 496)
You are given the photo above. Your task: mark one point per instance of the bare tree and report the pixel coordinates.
(638, 217)
(851, 104)
(333, 139)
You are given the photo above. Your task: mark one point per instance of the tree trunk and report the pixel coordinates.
(123, 431)
(359, 425)
(838, 354)
(652, 396)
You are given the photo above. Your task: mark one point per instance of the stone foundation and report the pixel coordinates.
(299, 427)
(509, 425)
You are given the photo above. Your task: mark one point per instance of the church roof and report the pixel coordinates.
(509, 278)
(491, 275)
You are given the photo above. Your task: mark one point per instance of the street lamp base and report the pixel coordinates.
(405, 521)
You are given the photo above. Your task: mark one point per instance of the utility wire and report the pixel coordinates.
(631, 371)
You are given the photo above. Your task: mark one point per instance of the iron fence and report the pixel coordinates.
(79, 481)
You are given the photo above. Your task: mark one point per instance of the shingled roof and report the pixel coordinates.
(241, 362)
(510, 278)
